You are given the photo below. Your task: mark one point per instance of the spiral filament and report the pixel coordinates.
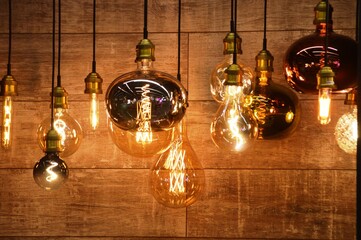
(52, 175)
(144, 115)
(232, 121)
(175, 162)
(6, 127)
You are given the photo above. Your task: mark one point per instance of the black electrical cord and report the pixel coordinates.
(326, 33)
(232, 22)
(235, 34)
(59, 42)
(179, 39)
(53, 71)
(94, 20)
(10, 34)
(265, 26)
(145, 29)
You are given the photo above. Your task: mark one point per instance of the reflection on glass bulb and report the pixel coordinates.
(324, 105)
(346, 131)
(177, 177)
(67, 127)
(94, 110)
(7, 122)
(50, 172)
(137, 144)
(234, 126)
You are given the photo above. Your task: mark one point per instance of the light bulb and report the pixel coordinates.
(218, 75)
(324, 106)
(50, 172)
(275, 107)
(166, 96)
(234, 127)
(94, 111)
(67, 127)
(7, 116)
(177, 177)
(140, 143)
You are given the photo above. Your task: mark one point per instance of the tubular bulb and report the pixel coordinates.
(324, 106)
(94, 111)
(6, 134)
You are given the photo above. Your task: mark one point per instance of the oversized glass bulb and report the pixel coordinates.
(139, 143)
(177, 177)
(218, 75)
(94, 111)
(50, 172)
(93, 87)
(325, 86)
(234, 127)
(146, 97)
(275, 107)
(305, 57)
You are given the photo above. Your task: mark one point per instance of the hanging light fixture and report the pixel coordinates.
(8, 89)
(346, 132)
(325, 81)
(93, 83)
(144, 105)
(177, 177)
(234, 127)
(275, 107)
(218, 73)
(50, 172)
(305, 57)
(67, 127)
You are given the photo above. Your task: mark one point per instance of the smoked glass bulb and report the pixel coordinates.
(346, 132)
(177, 177)
(275, 107)
(140, 143)
(50, 172)
(234, 127)
(306, 56)
(67, 127)
(218, 75)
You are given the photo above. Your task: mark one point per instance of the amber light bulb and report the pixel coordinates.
(305, 57)
(177, 177)
(325, 85)
(93, 87)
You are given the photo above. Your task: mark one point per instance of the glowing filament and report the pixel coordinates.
(94, 111)
(6, 126)
(144, 115)
(60, 127)
(175, 162)
(52, 175)
(324, 101)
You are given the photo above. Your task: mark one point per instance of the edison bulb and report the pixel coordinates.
(234, 127)
(177, 177)
(50, 172)
(93, 87)
(140, 142)
(346, 131)
(67, 127)
(218, 75)
(94, 111)
(6, 133)
(324, 106)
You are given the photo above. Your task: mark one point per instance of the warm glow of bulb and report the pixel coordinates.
(324, 101)
(175, 163)
(6, 123)
(94, 111)
(346, 132)
(52, 175)
(233, 127)
(144, 115)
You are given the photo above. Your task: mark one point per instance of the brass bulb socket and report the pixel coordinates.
(320, 13)
(145, 50)
(325, 78)
(228, 44)
(52, 140)
(93, 83)
(9, 86)
(351, 97)
(233, 75)
(60, 98)
(264, 61)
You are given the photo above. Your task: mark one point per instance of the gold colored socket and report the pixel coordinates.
(351, 97)
(320, 13)
(228, 44)
(93, 83)
(9, 86)
(60, 98)
(53, 141)
(145, 50)
(325, 78)
(233, 75)
(264, 61)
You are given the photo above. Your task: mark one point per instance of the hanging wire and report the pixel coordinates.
(53, 71)
(265, 26)
(145, 29)
(179, 39)
(326, 33)
(59, 42)
(232, 22)
(235, 34)
(94, 20)
(10, 34)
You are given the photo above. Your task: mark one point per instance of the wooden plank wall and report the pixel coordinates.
(301, 187)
